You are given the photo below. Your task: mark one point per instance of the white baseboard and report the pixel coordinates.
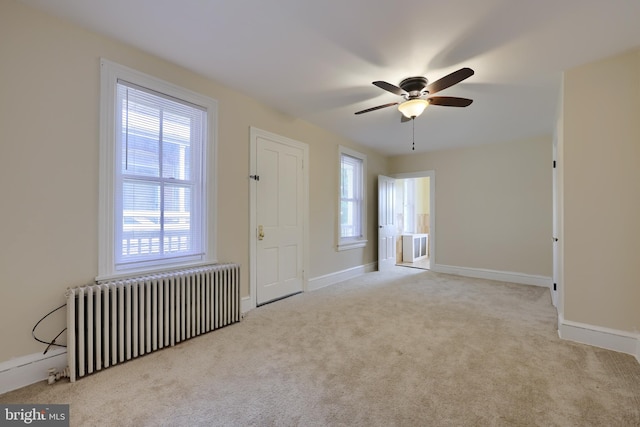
(246, 303)
(502, 276)
(26, 370)
(597, 336)
(554, 298)
(340, 276)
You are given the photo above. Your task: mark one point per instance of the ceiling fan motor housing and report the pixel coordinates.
(414, 86)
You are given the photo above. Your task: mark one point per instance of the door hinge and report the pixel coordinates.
(255, 177)
(554, 164)
(555, 286)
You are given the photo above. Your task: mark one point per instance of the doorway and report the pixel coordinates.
(415, 219)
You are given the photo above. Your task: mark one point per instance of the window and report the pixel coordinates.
(352, 228)
(157, 142)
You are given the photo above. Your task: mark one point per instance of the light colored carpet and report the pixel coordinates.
(404, 348)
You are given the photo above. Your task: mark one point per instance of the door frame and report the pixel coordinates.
(431, 174)
(557, 282)
(250, 302)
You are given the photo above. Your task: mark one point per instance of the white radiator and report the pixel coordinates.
(114, 321)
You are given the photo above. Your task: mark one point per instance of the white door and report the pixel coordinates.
(279, 219)
(387, 228)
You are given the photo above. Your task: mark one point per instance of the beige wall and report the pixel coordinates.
(49, 96)
(493, 205)
(422, 195)
(601, 178)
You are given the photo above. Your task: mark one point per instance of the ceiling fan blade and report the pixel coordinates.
(377, 108)
(404, 119)
(389, 87)
(450, 101)
(450, 80)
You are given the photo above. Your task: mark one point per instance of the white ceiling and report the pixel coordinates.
(315, 60)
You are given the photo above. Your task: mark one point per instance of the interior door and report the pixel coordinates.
(387, 228)
(279, 220)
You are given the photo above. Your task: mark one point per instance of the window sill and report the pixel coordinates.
(343, 246)
(150, 270)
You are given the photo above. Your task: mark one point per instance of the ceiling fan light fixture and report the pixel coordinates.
(413, 107)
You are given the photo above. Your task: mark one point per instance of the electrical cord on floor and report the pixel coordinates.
(53, 341)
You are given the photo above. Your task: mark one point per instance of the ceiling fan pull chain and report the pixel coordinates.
(413, 123)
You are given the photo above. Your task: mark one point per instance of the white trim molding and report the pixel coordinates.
(598, 336)
(501, 276)
(340, 276)
(247, 303)
(26, 370)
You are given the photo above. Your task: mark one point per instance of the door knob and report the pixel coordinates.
(260, 233)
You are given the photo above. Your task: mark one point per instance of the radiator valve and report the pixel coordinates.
(55, 375)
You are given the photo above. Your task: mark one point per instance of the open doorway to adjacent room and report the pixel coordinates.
(413, 211)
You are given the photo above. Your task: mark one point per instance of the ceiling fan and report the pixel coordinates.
(414, 89)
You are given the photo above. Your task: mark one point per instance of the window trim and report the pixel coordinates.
(346, 243)
(110, 72)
